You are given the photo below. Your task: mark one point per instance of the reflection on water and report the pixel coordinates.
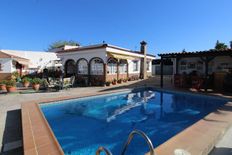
(81, 126)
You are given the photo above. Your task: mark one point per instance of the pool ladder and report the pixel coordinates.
(130, 137)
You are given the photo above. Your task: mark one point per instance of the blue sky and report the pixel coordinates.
(167, 25)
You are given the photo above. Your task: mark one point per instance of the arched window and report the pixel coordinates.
(122, 66)
(96, 66)
(70, 67)
(112, 66)
(82, 66)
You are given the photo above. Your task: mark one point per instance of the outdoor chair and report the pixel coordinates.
(68, 82)
(51, 85)
(178, 81)
(197, 82)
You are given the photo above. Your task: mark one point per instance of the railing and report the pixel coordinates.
(130, 137)
(100, 149)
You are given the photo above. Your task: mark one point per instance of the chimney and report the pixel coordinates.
(143, 68)
(143, 47)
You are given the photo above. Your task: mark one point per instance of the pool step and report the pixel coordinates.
(130, 137)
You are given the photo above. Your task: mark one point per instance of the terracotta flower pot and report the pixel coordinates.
(114, 83)
(108, 84)
(11, 89)
(26, 84)
(36, 87)
(3, 87)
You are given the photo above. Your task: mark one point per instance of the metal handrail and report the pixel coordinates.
(130, 137)
(100, 149)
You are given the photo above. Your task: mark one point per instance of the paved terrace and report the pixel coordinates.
(10, 113)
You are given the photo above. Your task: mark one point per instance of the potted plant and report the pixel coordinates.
(3, 85)
(36, 83)
(15, 76)
(114, 82)
(108, 83)
(119, 81)
(26, 81)
(11, 86)
(125, 80)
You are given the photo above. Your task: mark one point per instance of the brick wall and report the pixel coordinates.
(111, 77)
(122, 76)
(97, 80)
(4, 76)
(134, 74)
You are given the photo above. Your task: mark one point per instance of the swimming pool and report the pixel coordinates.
(82, 125)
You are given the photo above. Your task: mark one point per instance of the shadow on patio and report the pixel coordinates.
(221, 151)
(12, 136)
(152, 82)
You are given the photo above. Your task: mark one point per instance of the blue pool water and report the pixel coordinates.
(82, 125)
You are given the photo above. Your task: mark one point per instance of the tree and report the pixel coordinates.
(220, 46)
(60, 43)
(184, 51)
(231, 44)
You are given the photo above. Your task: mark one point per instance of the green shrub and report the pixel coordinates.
(11, 83)
(16, 76)
(3, 82)
(36, 81)
(26, 79)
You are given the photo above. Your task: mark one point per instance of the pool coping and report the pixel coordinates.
(39, 139)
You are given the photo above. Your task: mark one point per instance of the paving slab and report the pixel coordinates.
(224, 146)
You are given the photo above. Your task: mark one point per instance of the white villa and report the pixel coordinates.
(25, 62)
(104, 62)
(94, 64)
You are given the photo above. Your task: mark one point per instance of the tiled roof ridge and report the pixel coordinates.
(195, 52)
(100, 46)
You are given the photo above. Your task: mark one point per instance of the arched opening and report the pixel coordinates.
(122, 66)
(70, 68)
(112, 66)
(96, 66)
(97, 71)
(82, 67)
(82, 72)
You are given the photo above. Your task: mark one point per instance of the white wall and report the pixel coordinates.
(150, 63)
(40, 59)
(130, 66)
(189, 70)
(215, 65)
(87, 54)
(6, 65)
